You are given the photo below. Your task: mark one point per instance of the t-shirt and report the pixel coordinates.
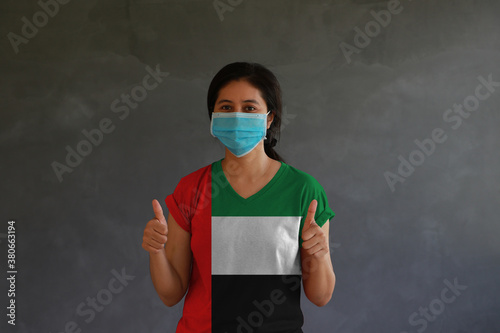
(246, 270)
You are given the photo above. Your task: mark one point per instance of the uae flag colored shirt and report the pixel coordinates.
(246, 271)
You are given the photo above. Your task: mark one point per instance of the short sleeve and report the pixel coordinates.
(179, 204)
(323, 213)
(313, 190)
(191, 197)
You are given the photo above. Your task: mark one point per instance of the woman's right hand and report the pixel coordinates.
(156, 231)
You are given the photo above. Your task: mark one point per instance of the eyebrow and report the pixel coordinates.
(245, 101)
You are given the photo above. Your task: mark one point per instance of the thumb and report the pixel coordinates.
(310, 214)
(158, 212)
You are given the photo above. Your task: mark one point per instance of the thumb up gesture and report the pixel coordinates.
(315, 242)
(155, 233)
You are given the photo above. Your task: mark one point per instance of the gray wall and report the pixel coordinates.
(350, 121)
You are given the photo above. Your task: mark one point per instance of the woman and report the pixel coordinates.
(243, 232)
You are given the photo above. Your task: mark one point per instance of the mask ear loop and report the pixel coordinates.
(267, 114)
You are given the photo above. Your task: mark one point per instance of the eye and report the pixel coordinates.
(250, 108)
(225, 107)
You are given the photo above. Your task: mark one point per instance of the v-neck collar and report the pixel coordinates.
(255, 196)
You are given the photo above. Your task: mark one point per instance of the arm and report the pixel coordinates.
(169, 261)
(317, 270)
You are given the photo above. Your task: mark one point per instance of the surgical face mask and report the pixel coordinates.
(240, 132)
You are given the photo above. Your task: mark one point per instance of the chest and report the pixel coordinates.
(246, 188)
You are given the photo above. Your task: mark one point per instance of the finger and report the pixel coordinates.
(158, 212)
(160, 238)
(310, 214)
(159, 227)
(309, 244)
(151, 249)
(154, 243)
(316, 250)
(310, 232)
(320, 252)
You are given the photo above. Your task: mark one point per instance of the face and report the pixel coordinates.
(241, 96)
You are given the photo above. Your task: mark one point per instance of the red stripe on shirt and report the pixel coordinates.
(191, 207)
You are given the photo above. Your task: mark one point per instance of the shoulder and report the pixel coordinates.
(300, 176)
(195, 178)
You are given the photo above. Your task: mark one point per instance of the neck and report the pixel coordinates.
(252, 166)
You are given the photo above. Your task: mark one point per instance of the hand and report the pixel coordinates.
(155, 233)
(314, 239)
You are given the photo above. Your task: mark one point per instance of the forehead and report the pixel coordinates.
(239, 90)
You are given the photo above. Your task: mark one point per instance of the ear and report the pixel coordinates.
(270, 118)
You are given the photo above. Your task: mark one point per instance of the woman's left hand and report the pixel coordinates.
(315, 242)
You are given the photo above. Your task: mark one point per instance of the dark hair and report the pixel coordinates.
(261, 78)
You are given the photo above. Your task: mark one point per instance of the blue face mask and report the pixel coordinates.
(240, 132)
